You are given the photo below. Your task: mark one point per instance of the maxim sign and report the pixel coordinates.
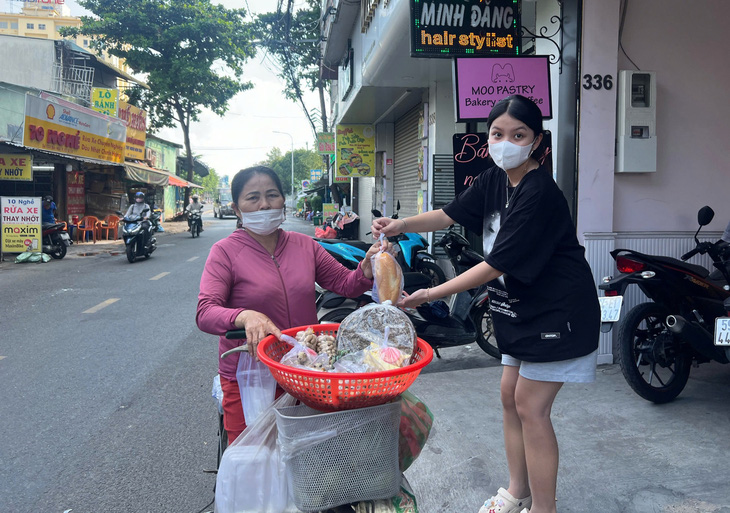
(447, 28)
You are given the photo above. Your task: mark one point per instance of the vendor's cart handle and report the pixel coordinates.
(236, 335)
(239, 349)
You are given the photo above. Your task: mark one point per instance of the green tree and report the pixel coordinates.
(210, 182)
(293, 38)
(191, 53)
(304, 162)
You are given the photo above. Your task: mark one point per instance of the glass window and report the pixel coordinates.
(86, 43)
(29, 26)
(41, 26)
(3, 24)
(14, 25)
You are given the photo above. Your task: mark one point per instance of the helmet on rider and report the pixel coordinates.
(48, 199)
(195, 197)
(139, 197)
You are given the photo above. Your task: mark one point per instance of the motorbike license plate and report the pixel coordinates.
(610, 308)
(722, 331)
(65, 236)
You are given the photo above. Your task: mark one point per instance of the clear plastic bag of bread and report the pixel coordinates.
(387, 276)
(384, 326)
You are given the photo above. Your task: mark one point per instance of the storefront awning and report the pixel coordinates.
(178, 182)
(146, 174)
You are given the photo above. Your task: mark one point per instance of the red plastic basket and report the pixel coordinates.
(333, 391)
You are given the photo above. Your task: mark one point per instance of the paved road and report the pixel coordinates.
(110, 411)
(105, 381)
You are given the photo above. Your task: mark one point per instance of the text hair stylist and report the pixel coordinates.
(261, 278)
(541, 291)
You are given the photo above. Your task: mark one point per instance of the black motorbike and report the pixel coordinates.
(195, 221)
(658, 341)
(138, 234)
(55, 240)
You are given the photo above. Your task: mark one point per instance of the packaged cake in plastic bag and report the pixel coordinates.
(366, 326)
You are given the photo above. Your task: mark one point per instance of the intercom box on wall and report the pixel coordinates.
(636, 124)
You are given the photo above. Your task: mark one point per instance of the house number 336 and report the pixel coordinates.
(597, 82)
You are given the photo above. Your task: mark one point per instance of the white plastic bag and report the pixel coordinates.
(252, 475)
(256, 385)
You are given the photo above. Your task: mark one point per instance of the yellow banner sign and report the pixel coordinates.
(21, 224)
(136, 120)
(53, 124)
(105, 100)
(16, 167)
(355, 151)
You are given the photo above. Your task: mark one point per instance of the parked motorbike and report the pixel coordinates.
(196, 222)
(411, 253)
(55, 240)
(134, 230)
(658, 341)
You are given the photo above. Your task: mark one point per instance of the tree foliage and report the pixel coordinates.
(304, 162)
(191, 53)
(292, 37)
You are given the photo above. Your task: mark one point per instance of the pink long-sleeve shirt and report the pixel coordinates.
(240, 274)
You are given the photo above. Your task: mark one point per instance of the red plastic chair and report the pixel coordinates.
(86, 225)
(109, 226)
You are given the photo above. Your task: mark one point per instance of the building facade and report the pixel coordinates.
(634, 174)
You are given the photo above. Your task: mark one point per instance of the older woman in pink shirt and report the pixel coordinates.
(261, 278)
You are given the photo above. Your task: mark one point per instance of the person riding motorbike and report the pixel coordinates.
(136, 209)
(195, 206)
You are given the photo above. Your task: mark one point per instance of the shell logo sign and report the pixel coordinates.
(54, 124)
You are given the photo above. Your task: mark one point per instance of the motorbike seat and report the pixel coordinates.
(359, 244)
(51, 226)
(674, 262)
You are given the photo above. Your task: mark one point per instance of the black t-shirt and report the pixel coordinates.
(545, 306)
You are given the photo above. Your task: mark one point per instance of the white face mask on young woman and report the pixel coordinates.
(263, 222)
(508, 155)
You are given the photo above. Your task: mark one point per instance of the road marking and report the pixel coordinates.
(191, 259)
(101, 305)
(161, 275)
(1, 357)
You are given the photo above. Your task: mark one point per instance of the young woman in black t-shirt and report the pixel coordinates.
(542, 295)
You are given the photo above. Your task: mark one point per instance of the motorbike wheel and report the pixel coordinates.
(433, 271)
(131, 252)
(197, 229)
(485, 331)
(336, 315)
(651, 357)
(193, 228)
(59, 252)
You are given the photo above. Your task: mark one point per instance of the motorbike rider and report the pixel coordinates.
(48, 211)
(136, 208)
(194, 206)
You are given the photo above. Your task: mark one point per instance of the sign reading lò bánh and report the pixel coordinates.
(355, 151)
(21, 224)
(105, 100)
(54, 124)
(16, 167)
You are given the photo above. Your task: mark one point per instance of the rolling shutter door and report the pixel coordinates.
(405, 163)
(443, 193)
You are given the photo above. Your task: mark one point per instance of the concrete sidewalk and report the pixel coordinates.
(618, 452)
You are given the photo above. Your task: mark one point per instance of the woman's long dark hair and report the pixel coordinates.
(521, 108)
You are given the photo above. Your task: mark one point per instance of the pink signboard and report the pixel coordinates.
(480, 82)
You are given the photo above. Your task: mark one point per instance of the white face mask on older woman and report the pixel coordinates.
(263, 222)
